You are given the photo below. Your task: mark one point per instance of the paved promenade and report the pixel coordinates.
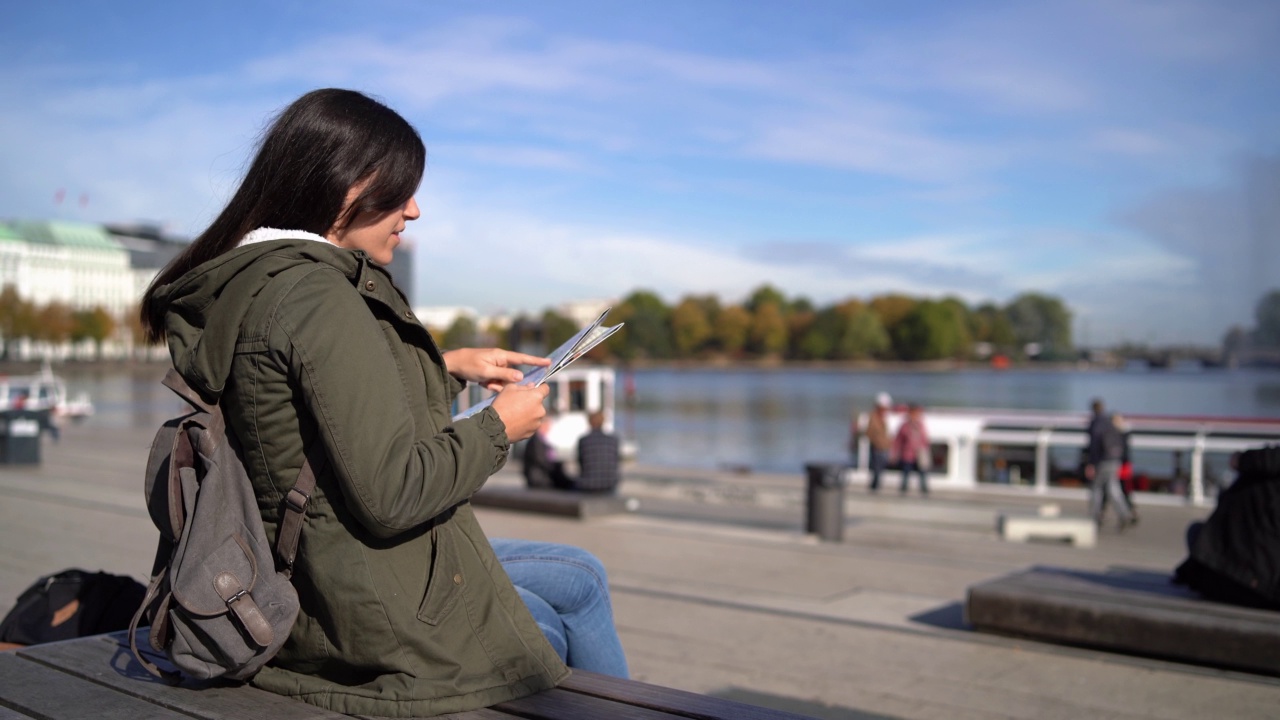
(717, 591)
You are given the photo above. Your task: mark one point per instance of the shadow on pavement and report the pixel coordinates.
(947, 617)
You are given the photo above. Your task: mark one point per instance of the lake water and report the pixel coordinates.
(777, 419)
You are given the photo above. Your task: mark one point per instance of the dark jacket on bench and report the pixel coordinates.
(1235, 555)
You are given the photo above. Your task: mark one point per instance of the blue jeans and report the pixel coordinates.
(909, 467)
(567, 593)
(879, 461)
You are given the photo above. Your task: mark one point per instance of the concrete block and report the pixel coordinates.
(1015, 527)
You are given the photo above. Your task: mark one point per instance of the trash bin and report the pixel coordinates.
(825, 505)
(20, 437)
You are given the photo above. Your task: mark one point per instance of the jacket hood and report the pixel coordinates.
(205, 308)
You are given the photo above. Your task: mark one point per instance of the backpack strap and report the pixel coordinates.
(175, 382)
(294, 508)
(159, 625)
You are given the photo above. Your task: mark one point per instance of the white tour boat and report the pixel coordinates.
(1180, 457)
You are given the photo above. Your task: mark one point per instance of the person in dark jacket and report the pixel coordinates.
(284, 314)
(1104, 456)
(598, 458)
(1234, 555)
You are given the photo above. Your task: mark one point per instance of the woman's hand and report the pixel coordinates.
(521, 410)
(491, 367)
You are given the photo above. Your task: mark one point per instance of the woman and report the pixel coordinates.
(283, 313)
(911, 448)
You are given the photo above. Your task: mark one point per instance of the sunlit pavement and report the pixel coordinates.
(717, 590)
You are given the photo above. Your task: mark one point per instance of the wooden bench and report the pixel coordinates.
(1135, 612)
(99, 677)
(554, 502)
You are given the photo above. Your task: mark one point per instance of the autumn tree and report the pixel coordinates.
(55, 323)
(17, 316)
(731, 329)
(690, 327)
(768, 334)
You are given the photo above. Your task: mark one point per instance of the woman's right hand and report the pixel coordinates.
(520, 409)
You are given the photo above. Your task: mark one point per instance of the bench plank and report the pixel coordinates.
(10, 714)
(1135, 613)
(57, 681)
(560, 704)
(45, 692)
(107, 660)
(669, 700)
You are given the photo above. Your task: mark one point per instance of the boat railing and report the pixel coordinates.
(1047, 451)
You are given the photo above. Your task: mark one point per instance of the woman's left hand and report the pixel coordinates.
(491, 367)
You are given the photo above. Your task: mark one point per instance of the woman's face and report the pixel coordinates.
(377, 235)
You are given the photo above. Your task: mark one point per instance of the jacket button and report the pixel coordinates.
(457, 579)
(408, 314)
(370, 285)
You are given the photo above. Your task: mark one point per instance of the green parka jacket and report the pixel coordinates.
(405, 610)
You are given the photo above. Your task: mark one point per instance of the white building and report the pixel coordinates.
(68, 262)
(439, 318)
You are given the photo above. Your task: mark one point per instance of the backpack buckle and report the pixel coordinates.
(297, 500)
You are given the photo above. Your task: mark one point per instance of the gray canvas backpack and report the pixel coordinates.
(220, 602)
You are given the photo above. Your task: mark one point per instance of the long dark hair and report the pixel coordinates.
(315, 151)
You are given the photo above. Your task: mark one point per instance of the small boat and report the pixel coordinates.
(576, 391)
(43, 391)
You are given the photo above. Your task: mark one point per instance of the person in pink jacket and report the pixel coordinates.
(911, 449)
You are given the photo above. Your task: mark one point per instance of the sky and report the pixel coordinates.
(1121, 155)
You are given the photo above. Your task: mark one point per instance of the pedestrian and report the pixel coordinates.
(283, 313)
(1104, 456)
(911, 449)
(879, 441)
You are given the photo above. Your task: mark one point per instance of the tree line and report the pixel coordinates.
(54, 322)
(769, 325)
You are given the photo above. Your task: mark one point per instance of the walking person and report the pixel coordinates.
(878, 439)
(1104, 456)
(284, 314)
(911, 448)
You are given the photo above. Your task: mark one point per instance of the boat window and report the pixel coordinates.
(577, 396)
(1006, 464)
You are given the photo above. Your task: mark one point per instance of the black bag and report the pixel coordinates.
(72, 604)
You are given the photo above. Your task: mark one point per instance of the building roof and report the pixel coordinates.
(65, 233)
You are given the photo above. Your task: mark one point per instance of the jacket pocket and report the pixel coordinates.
(444, 581)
